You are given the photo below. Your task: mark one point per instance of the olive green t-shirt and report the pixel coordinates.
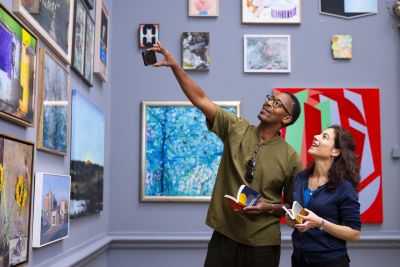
(277, 163)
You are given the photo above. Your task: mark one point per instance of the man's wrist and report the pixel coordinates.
(272, 209)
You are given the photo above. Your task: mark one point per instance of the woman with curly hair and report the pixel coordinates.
(327, 190)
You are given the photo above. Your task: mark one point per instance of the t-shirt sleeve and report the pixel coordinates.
(223, 122)
(350, 208)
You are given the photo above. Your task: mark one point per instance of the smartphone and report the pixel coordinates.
(149, 57)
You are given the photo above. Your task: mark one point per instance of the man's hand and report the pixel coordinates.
(168, 61)
(262, 207)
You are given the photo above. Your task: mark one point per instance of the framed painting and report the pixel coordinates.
(179, 156)
(101, 41)
(16, 170)
(51, 20)
(203, 8)
(348, 9)
(18, 50)
(54, 105)
(148, 35)
(90, 3)
(267, 53)
(271, 11)
(357, 110)
(82, 56)
(87, 157)
(51, 208)
(342, 47)
(196, 50)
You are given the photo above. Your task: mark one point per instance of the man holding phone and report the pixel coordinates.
(253, 155)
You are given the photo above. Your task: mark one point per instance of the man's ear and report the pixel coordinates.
(287, 119)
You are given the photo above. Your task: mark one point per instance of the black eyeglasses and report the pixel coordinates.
(251, 164)
(276, 103)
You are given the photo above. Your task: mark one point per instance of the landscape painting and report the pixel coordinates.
(16, 169)
(51, 210)
(180, 156)
(18, 50)
(87, 157)
(54, 103)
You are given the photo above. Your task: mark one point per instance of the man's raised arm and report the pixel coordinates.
(189, 87)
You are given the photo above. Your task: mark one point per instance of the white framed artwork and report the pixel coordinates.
(51, 208)
(267, 53)
(271, 11)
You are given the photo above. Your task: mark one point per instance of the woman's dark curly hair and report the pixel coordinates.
(345, 166)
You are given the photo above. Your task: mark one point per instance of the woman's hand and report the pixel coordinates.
(168, 61)
(289, 220)
(310, 221)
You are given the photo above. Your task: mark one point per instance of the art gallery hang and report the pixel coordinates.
(203, 8)
(18, 50)
(267, 53)
(87, 156)
(348, 9)
(357, 110)
(180, 157)
(101, 41)
(342, 46)
(196, 50)
(51, 210)
(148, 35)
(271, 11)
(83, 43)
(54, 105)
(51, 20)
(16, 169)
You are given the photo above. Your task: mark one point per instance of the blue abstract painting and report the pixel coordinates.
(181, 155)
(53, 132)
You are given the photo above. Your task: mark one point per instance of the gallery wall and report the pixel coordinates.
(129, 232)
(375, 64)
(84, 231)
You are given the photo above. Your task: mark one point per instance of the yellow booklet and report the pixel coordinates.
(297, 210)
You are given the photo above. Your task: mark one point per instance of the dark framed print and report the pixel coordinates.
(101, 42)
(90, 3)
(51, 20)
(82, 56)
(148, 35)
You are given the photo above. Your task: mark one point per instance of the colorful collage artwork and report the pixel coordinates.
(357, 110)
(18, 49)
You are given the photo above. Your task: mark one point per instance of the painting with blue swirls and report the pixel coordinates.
(181, 155)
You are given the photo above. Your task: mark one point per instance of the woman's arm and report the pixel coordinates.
(339, 231)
